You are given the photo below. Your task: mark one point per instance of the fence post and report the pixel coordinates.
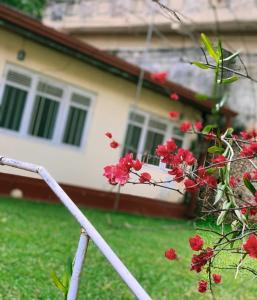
(78, 265)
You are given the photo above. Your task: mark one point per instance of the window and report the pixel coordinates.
(145, 132)
(45, 110)
(40, 107)
(13, 100)
(75, 122)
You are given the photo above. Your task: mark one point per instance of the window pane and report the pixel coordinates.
(12, 107)
(137, 118)
(157, 125)
(74, 126)
(132, 139)
(43, 117)
(153, 139)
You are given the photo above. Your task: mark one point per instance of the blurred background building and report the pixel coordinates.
(120, 27)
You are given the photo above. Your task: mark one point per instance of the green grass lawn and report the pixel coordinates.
(37, 238)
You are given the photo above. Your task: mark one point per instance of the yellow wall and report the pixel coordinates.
(114, 97)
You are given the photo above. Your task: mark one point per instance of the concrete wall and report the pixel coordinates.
(114, 97)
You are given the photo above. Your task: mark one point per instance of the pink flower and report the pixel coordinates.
(202, 286)
(250, 246)
(114, 144)
(196, 243)
(216, 278)
(220, 160)
(198, 125)
(144, 177)
(178, 172)
(174, 96)
(191, 186)
(173, 114)
(109, 135)
(185, 126)
(170, 254)
(160, 77)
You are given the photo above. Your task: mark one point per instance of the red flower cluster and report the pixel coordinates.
(160, 77)
(250, 246)
(248, 135)
(200, 260)
(249, 150)
(196, 243)
(170, 254)
(176, 158)
(119, 173)
(202, 286)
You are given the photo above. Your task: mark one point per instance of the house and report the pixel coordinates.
(173, 43)
(60, 95)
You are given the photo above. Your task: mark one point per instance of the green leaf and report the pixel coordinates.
(229, 131)
(211, 170)
(209, 47)
(200, 65)
(208, 128)
(201, 97)
(215, 149)
(57, 282)
(228, 80)
(249, 185)
(220, 191)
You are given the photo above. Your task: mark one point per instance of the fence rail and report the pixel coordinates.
(88, 231)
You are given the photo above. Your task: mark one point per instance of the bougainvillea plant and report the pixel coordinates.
(211, 180)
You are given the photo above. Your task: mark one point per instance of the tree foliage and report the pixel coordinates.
(33, 8)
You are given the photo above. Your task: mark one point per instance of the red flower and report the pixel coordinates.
(209, 136)
(159, 77)
(137, 165)
(171, 254)
(245, 135)
(174, 96)
(247, 151)
(196, 243)
(202, 286)
(253, 211)
(191, 186)
(179, 174)
(185, 126)
(247, 176)
(109, 135)
(200, 260)
(220, 160)
(173, 114)
(216, 278)
(250, 246)
(243, 210)
(116, 174)
(114, 144)
(232, 181)
(198, 125)
(144, 177)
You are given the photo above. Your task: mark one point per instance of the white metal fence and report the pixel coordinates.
(88, 231)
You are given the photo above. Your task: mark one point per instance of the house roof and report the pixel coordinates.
(33, 29)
